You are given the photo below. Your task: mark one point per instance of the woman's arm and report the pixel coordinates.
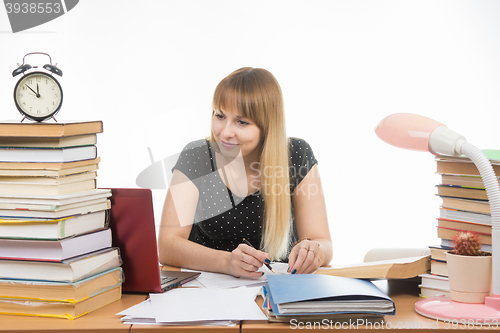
(311, 222)
(176, 250)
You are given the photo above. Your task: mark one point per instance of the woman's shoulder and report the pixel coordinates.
(301, 160)
(293, 141)
(195, 160)
(300, 152)
(196, 145)
(298, 146)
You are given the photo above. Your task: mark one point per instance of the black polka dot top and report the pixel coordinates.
(223, 219)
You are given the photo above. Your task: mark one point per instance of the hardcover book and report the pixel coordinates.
(48, 155)
(69, 270)
(55, 250)
(61, 291)
(45, 129)
(60, 309)
(42, 228)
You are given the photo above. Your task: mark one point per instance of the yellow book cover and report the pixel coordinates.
(61, 291)
(58, 309)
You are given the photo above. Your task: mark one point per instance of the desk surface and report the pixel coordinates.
(102, 320)
(404, 294)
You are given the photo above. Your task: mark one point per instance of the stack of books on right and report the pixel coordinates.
(56, 254)
(314, 297)
(464, 207)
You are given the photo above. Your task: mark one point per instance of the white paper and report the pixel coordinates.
(142, 314)
(140, 310)
(219, 280)
(206, 304)
(199, 323)
(220, 299)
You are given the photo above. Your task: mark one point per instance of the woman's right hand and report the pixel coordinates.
(246, 261)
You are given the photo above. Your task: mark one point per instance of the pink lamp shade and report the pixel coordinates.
(415, 132)
(407, 130)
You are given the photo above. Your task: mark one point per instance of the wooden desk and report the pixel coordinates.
(404, 294)
(184, 329)
(102, 320)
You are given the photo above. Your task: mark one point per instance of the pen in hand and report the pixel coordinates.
(265, 263)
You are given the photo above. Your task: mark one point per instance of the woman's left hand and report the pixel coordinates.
(305, 258)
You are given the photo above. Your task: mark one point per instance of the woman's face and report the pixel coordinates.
(234, 133)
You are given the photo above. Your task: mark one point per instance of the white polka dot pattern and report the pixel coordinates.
(223, 219)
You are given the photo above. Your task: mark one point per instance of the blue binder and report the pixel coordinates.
(303, 288)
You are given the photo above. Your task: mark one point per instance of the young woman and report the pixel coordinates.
(247, 181)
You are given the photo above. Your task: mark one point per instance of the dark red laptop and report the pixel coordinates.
(133, 228)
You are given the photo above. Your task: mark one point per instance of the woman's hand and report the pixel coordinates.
(246, 261)
(305, 258)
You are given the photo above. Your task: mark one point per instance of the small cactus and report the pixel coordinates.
(467, 243)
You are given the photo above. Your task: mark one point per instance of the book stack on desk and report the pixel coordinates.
(310, 297)
(464, 207)
(56, 258)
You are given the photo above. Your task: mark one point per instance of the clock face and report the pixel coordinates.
(38, 96)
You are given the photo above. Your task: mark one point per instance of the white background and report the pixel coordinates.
(148, 70)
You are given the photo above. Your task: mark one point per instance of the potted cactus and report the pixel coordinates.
(469, 269)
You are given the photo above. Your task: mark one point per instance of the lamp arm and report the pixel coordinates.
(493, 191)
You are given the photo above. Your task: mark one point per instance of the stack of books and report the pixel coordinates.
(56, 255)
(464, 207)
(314, 297)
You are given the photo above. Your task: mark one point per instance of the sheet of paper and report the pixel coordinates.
(140, 310)
(218, 280)
(142, 314)
(199, 323)
(202, 304)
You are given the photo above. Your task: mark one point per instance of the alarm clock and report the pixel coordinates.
(38, 95)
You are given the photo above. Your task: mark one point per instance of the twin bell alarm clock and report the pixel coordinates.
(38, 95)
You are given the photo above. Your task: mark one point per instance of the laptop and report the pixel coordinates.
(133, 229)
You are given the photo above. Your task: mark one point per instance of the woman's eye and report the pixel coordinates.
(242, 122)
(219, 116)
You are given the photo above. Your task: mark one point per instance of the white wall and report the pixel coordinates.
(148, 69)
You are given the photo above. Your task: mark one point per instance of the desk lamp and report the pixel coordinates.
(415, 132)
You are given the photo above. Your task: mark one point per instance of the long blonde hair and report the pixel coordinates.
(256, 94)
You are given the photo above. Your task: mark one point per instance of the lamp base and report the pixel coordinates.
(443, 308)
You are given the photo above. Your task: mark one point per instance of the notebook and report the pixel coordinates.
(133, 229)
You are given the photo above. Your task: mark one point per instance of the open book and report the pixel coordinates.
(385, 263)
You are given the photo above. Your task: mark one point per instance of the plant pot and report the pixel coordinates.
(470, 277)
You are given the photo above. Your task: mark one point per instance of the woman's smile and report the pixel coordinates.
(228, 144)
(234, 132)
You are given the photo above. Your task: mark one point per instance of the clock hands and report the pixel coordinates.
(36, 93)
(31, 89)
